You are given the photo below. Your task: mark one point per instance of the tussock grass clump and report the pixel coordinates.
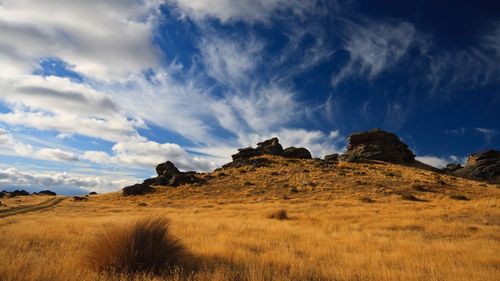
(366, 200)
(145, 246)
(279, 215)
(459, 197)
(410, 197)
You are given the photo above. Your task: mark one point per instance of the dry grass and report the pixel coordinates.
(144, 246)
(333, 235)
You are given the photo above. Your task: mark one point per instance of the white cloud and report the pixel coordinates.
(12, 177)
(56, 154)
(230, 62)
(441, 162)
(100, 39)
(240, 10)
(58, 104)
(150, 154)
(488, 134)
(374, 47)
(11, 146)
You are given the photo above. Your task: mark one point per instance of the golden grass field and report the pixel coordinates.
(330, 235)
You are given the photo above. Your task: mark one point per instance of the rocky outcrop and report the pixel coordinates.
(482, 166)
(168, 175)
(137, 189)
(46, 192)
(379, 145)
(332, 157)
(267, 147)
(16, 193)
(294, 152)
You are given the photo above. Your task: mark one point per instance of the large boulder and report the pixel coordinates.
(137, 189)
(332, 157)
(167, 169)
(482, 166)
(377, 144)
(294, 152)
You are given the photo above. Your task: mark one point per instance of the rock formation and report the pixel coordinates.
(377, 144)
(267, 147)
(168, 175)
(332, 157)
(46, 192)
(482, 166)
(294, 152)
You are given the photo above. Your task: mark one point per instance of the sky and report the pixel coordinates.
(94, 94)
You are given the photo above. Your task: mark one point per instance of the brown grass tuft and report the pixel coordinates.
(145, 246)
(279, 215)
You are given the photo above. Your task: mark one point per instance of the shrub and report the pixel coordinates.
(366, 200)
(410, 197)
(144, 246)
(279, 215)
(419, 187)
(459, 197)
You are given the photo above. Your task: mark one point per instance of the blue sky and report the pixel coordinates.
(94, 93)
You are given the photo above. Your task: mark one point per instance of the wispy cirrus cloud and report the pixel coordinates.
(374, 47)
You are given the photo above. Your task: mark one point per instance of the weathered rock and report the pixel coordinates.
(167, 169)
(332, 157)
(377, 145)
(294, 152)
(46, 192)
(186, 178)
(92, 193)
(137, 189)
(269, 147)
(482, 166)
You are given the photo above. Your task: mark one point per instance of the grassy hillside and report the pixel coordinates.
(345, 222)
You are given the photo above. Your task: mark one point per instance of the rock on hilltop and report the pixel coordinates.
(267, 147)
(482, 166)
(379, 145)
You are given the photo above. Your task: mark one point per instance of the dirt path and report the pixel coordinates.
(26, 209)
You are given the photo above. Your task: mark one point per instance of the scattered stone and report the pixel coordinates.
(377, 145)
(294, 152)
(137, 189)
(482, 166)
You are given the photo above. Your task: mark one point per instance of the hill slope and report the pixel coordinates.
(332, 232)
